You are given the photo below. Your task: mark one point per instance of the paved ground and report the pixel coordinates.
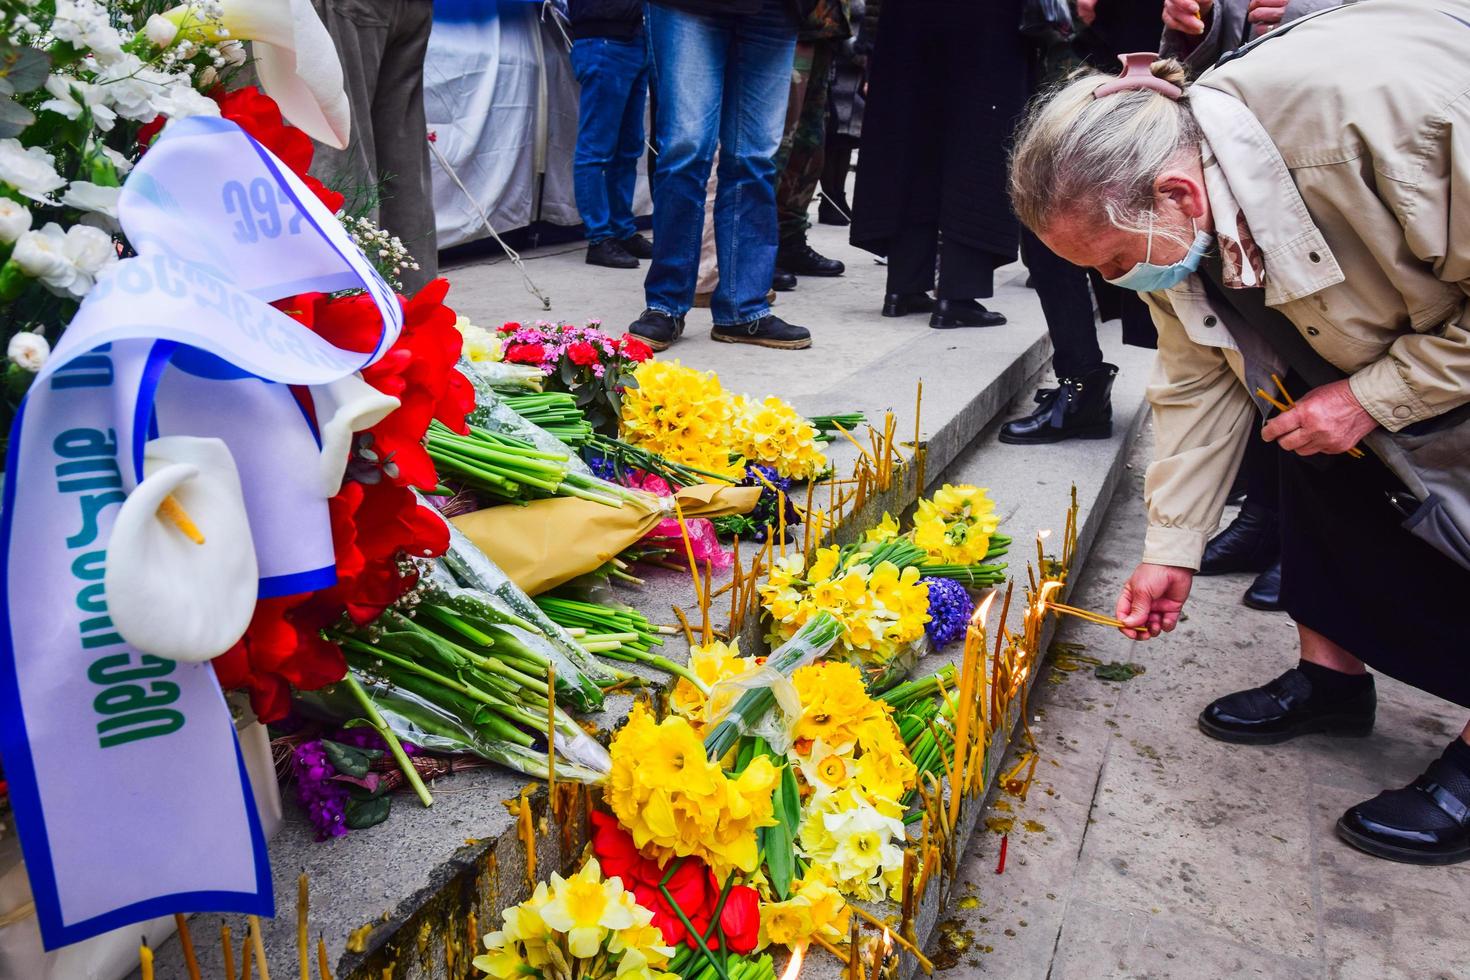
(1145, 849)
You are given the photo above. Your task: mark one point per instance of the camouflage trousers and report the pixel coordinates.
(799, 160)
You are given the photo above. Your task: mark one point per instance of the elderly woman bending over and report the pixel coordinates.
(1300, 213)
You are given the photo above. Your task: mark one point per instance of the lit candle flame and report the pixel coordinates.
(1045, 595)
(1043, 535)
(793, 967)
(887, 941)
(982, 612)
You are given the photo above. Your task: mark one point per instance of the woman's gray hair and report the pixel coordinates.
(1098, 158)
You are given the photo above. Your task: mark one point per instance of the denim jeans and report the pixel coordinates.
(721, 80)
(614, 79)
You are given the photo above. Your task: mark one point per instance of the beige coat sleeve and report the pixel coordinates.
(1427, 374)
(1202, 418)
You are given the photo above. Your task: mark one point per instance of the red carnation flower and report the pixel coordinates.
(525, 354)
(635, 349)
(582, 353)
(510, 326)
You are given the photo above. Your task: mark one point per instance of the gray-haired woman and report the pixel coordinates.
(1313, 191)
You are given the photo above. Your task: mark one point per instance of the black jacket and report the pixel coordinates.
(606, 18)
(799, 8)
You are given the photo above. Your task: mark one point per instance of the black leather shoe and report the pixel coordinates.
(799, 258)
(657, 329)
(783, 281)
(1265, 592)
(637, 246)
(1250, 543)
(902, 304)
(951, 313)
(610, 255)
(1286, 708)
(1426, 822)
(1078, 408)
(768, 331)
(827, 214)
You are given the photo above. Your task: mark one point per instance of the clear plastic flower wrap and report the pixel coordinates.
(493, 414)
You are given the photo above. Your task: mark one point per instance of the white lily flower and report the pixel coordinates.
(295, 59)
(344, 407)
(169, 594)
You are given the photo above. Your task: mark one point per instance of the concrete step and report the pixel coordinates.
(405, 889)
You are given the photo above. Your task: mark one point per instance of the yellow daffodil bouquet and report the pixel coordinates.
(953, 535)
(585, 927)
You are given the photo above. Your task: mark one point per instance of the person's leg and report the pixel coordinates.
(1318, 649)
(622, 179)
(709, 267)
(688, 54)
(836, 165)
(1251, 542)
(401, 134)
(965, 272)
(360, 34)
(796, 184)
(603, 93)
(1066, 302)
(912, 257)
(757, 83)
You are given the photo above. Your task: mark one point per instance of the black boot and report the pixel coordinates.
(796, 256)
(1250, 543)
(1265, 592)
(1308, 699)
(1078, 408)
(902, 304)
(611, 255)
(1426, 822)
(951, 313)
(657, 329)
(782, 281)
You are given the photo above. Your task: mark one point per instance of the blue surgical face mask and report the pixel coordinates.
(1146, 277)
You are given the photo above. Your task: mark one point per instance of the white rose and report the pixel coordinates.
(87, 196)
(233, 52)
(89, 249)
(42, 255)
(30, 170)
(208, 77)
(28, 350)
(160, 30)
(15, 220)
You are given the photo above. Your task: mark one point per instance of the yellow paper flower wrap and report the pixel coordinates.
(677, 803)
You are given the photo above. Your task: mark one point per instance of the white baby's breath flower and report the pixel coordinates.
(28, 350)
(15, 220)
(30, 170)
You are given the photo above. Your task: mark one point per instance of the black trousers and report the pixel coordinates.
(1066, 302)
(965, 272)
(1352, 573)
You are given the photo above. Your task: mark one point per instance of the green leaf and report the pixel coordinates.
(14, 118)
(362, 814)
(346, 759)
(25, 68)
(567, 371)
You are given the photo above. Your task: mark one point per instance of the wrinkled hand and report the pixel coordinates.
(1152, 598)
(1264, 15)
(1186, 16)
(1328, 419)
(1087, 11)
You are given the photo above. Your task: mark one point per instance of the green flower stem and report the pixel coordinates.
(714, 920)
(375, 718)
(689, 926)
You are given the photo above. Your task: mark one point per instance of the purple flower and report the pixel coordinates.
(323, 800)
(950, 607)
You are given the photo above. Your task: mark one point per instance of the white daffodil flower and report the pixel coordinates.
(182, 578)
(295, 59)
(343, 407)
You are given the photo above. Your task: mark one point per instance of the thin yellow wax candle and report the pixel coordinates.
(145, 961)
(303, 941)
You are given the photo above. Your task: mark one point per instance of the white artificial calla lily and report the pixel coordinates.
(183, 587)
(295, 59)
(343, 407)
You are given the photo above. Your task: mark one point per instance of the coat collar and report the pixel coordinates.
(1297, 259)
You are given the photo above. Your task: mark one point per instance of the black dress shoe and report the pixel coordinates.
(902, 304)
(1288, 707)
(783, 281)
(951, 313)
(1426, 822)
(610, 255)
(637, 246)
(1078, 408)
(801, 259)
(657, 329)
(768, 331)
(828, 214)
(1250, 543)
(1265, 592)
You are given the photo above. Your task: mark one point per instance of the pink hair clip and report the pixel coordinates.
(1138, 73)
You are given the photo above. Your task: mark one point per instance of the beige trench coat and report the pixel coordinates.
(1346, 141)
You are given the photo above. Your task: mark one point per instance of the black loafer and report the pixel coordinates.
(637, 246)
(768, 331)
(902, 304)
(1426, 822)
(1286, 708)
(657, 329)
(1250, 543)
(1265, 592)
(610, 255)
(951, 313)
(783, 281)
